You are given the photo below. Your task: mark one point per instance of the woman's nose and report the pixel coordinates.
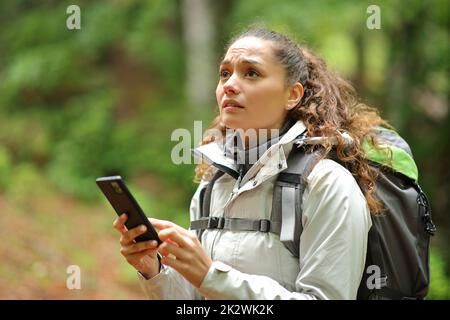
(230, 87)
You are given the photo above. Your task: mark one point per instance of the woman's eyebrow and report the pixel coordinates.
(242, 60)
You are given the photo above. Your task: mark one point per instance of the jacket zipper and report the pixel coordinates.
(239, 179)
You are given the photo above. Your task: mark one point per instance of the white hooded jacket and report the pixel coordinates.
(256, 265)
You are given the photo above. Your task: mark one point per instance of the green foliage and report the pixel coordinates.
(88, 145)
(440, 280)
(5, 167)
(27, 184)
(59, 90)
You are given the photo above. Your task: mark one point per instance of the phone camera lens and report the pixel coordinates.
(116, 187)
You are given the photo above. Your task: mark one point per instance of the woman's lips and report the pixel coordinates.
(231, 107)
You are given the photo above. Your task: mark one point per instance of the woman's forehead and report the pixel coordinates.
(249, 48)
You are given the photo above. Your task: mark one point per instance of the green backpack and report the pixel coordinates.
(397, 261)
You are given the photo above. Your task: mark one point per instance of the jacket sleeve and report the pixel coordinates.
(336, 222)
(169, 284)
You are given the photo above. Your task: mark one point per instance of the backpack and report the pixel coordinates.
(397, 260)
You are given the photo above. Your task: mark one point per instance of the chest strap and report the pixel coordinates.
(237, 224)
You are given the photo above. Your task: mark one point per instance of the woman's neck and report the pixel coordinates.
(255, 137)
(246, 147)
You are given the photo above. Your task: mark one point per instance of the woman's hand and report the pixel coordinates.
(141, 255)
(187, 255)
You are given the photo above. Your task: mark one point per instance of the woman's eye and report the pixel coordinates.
(249, 73)
(252, 73)
(224, 74)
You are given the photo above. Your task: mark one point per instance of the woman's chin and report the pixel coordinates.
(231, 123)
(234, 125)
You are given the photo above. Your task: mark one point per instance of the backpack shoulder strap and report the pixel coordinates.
(288, 195)
(206, 201)
(205, 204)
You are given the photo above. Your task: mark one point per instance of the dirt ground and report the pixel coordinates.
(41, 238)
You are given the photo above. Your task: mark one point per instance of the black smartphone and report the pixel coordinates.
(122, 201)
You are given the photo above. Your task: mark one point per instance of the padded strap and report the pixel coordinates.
(288, 196)
(205, 200)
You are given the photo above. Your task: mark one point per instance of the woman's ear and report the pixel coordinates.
(295, 95)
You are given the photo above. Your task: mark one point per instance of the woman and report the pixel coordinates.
(266, 83)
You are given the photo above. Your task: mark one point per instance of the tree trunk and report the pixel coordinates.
(199, 32)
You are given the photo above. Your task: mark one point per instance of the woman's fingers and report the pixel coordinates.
(162, 224)
(182, 239)
(139, 255)
(174, 263)
(119, 223)
(129, 236)
(139, 247)
(167, 249)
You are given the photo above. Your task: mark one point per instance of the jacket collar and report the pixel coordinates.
(214, 153)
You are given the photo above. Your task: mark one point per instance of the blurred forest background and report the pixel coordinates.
(103, 100)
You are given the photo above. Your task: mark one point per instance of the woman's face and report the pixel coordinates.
(252, 90)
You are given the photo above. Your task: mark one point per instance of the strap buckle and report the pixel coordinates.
(221, 223)
(216, 223)
(264, 225)
(212, 222)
